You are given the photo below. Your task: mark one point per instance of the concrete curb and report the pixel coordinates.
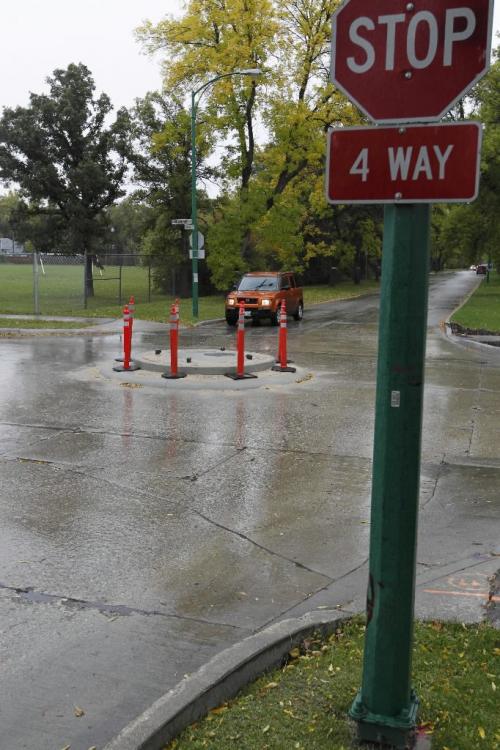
(203, 361)
(218, 680)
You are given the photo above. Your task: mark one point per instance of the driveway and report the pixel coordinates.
(145, 527)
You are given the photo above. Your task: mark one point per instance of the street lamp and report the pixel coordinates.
(194, 217)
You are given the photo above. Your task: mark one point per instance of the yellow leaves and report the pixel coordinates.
(427, 727)
(493, 686)
(266, 729)
(294, 653)
(270, 686)
(219, 710)
(78, 711)
(481, 733)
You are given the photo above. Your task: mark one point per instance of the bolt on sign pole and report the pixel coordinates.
(386, 706)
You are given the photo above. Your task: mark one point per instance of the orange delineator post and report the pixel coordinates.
(240, 343)
(127, 344)
(131, 307)
(282, 353)
(240, 373)
(174, 373)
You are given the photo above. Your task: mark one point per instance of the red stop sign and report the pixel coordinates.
(409, 61)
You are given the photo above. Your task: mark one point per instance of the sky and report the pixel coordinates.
(38, 36)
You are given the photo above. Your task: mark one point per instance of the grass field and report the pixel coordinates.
(304, 705)
(482, 310)
(61, 289)
(61, 293)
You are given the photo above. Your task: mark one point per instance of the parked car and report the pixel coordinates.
(261, 293)
(473, 268)
(482, 268)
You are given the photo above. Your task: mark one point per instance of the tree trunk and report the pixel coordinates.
(89, 279)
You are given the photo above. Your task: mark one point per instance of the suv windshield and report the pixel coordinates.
(254, 283)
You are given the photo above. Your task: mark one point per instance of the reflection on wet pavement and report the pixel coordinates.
(145, 528)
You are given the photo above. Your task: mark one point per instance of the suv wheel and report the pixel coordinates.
(299, 312)
(231, 320)
(275, 316)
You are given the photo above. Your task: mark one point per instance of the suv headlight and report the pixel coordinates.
(266, 302)
(230, 301)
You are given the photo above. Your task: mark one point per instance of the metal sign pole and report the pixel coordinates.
(385, 708)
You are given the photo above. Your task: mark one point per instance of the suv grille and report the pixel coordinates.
(247, 300)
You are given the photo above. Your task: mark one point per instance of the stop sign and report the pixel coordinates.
(409, 61)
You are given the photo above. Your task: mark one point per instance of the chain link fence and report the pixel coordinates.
(51, 284)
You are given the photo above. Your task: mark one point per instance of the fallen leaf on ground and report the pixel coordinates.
(78, 711)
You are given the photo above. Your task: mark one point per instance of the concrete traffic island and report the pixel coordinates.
(202, 361)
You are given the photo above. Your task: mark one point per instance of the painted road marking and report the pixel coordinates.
(480, 594)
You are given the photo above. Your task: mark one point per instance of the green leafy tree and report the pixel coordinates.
(162, 169)
(9, 203)
(294, 104)
(129, 220)
(68, 163)
(471, 232)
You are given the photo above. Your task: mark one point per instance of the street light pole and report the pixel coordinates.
(194, 206)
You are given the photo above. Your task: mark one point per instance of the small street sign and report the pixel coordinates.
(408, 61)
(413, 164)
(181, 222)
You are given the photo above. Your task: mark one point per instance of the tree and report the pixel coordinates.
(129, 220)
(67, 162)
(471, 232)
(162, 169)
(294, 102)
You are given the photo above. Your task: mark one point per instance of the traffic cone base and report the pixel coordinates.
(238, 376)
(122, 368)
(173, 376)
(279, 368)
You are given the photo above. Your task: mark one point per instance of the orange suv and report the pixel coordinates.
(261, 292)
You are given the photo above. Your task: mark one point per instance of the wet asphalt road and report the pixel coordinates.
(143, 529)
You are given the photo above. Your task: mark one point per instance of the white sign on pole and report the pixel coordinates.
(181, 222)
(201, 253)
(201, 241)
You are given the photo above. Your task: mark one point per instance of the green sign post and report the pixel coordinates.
(386, 706)
(398, 71)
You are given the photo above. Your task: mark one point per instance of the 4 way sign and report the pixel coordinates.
(406, 63)
(410, 164)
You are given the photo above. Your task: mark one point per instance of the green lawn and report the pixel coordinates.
(482, 311)
(35, 323)
(60, 293)
(304, 705)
